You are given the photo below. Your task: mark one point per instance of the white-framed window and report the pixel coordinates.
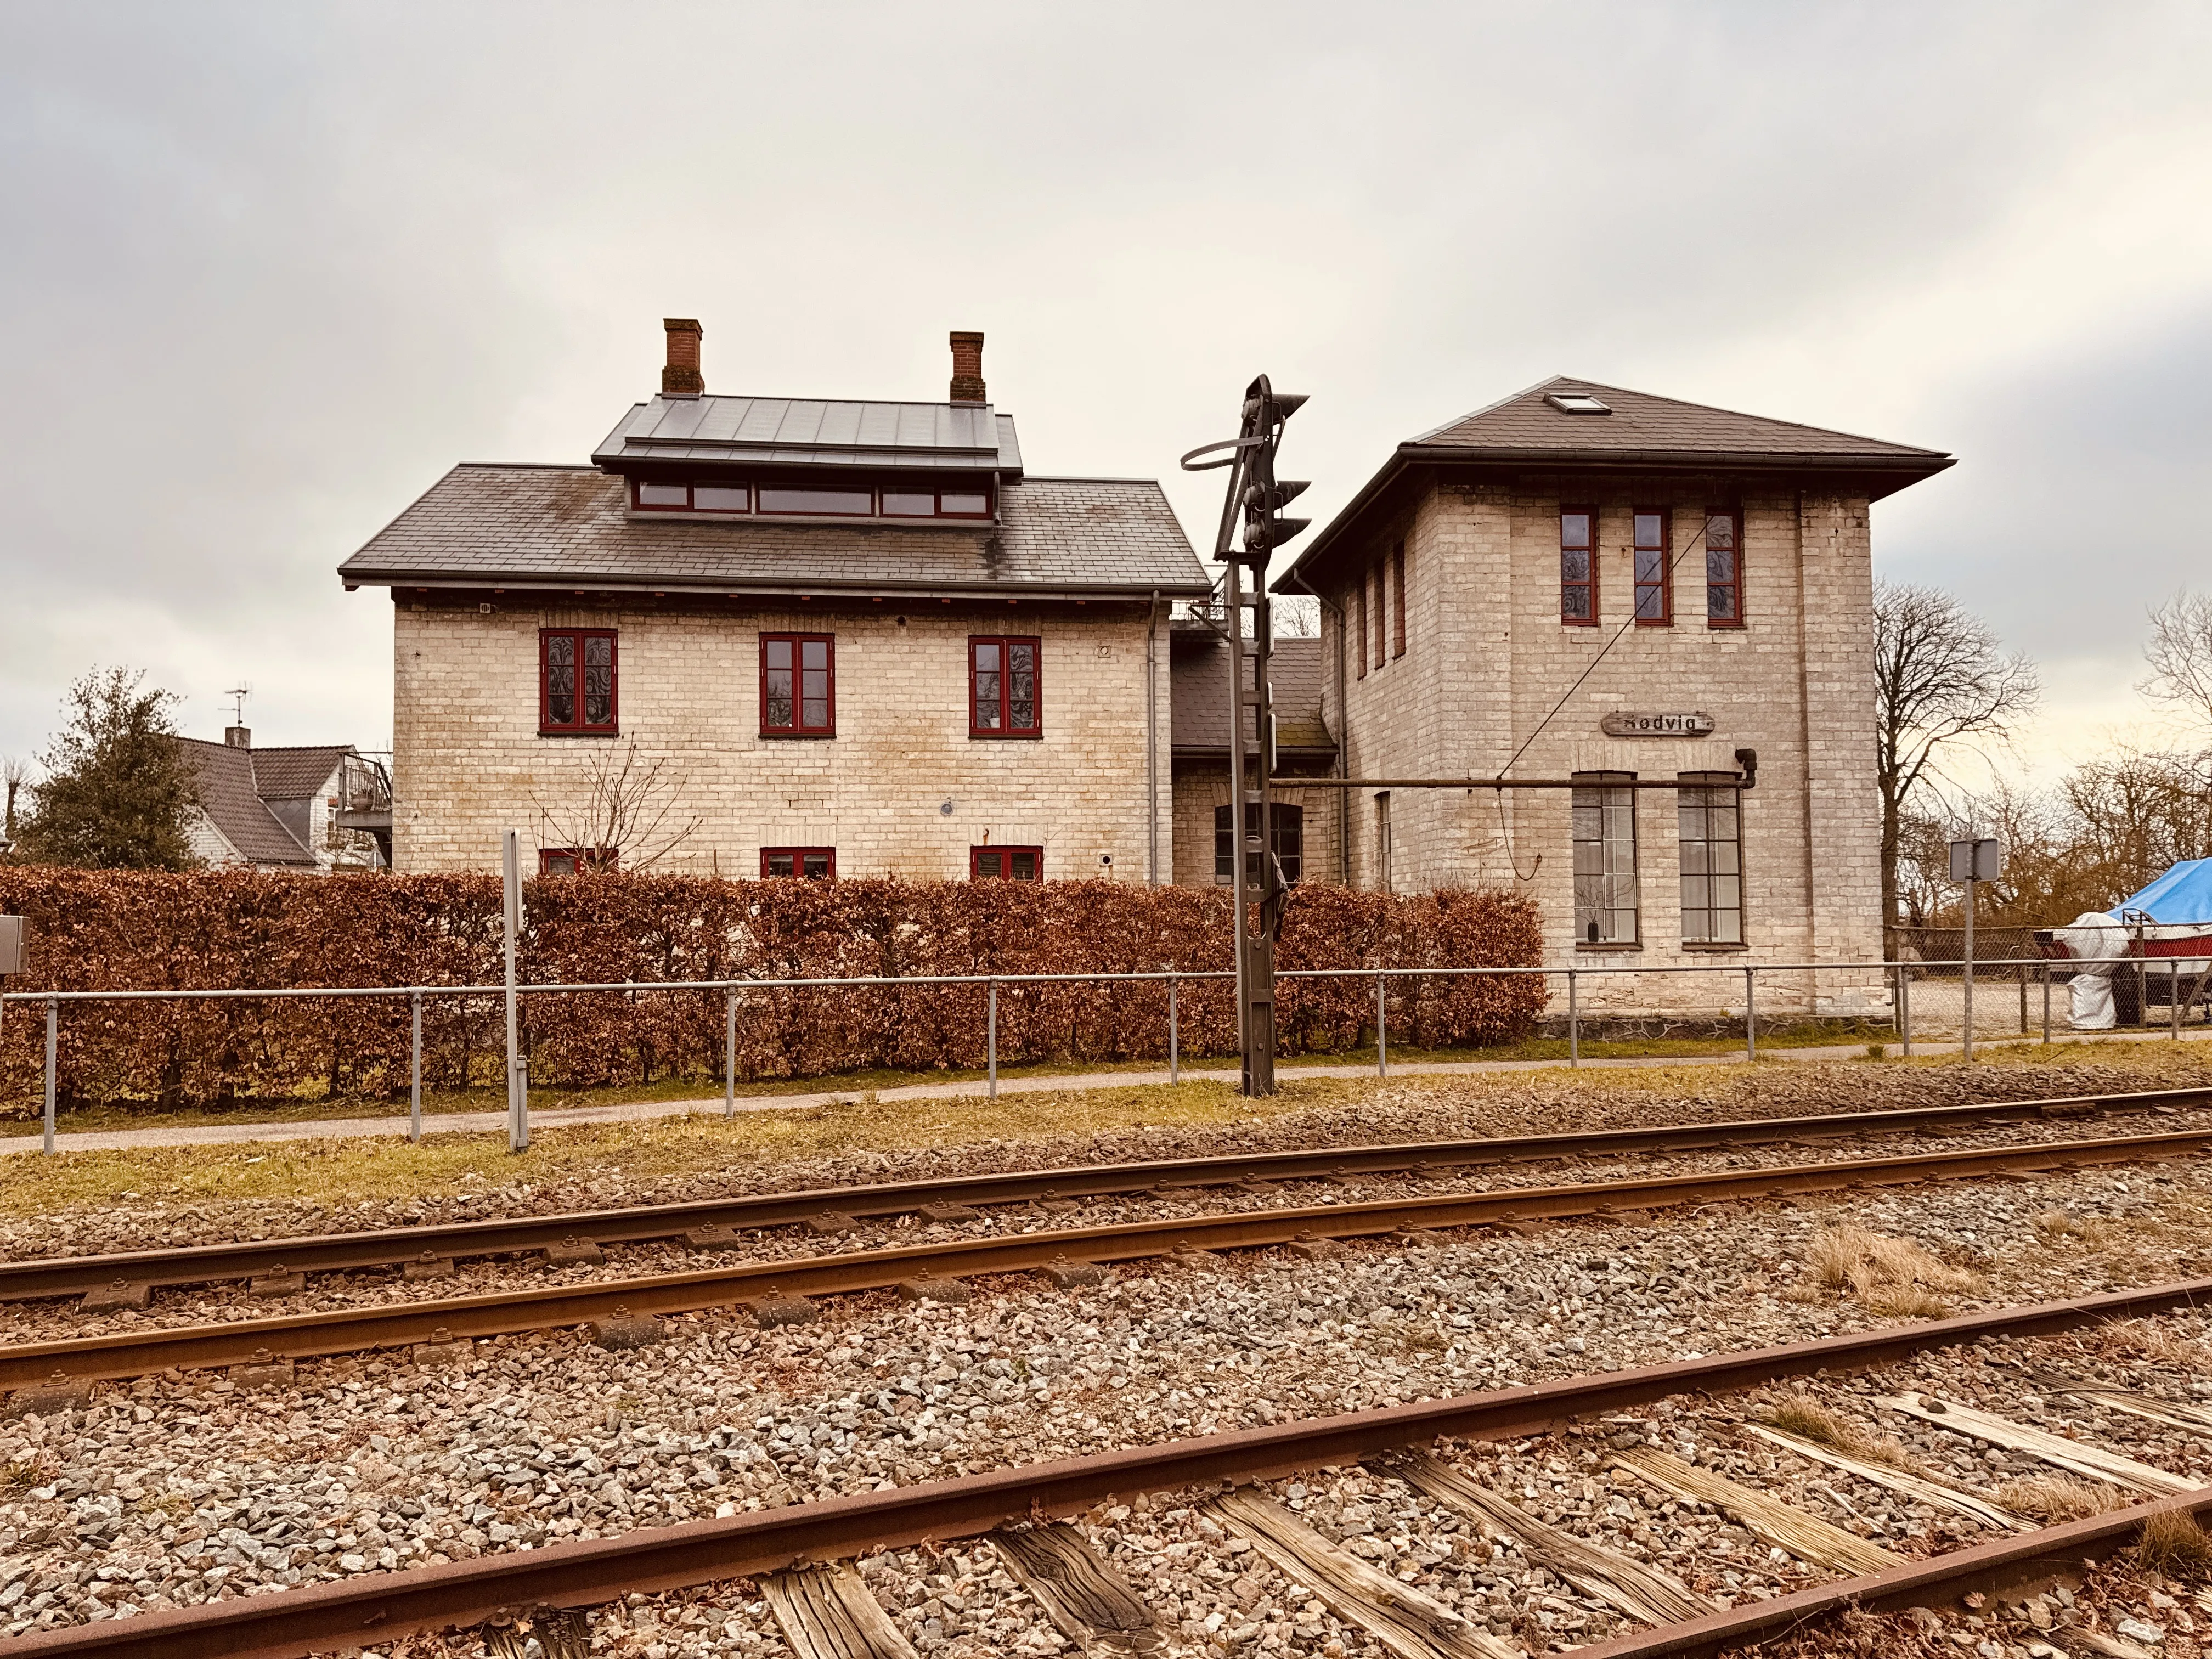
(1604, 816)
(1711, 831)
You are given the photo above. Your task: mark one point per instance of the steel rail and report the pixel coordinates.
(61, 1276)
(382, 1607)
(1991, 1569)
(352, 1330)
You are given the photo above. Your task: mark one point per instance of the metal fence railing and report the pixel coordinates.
(1901, 984)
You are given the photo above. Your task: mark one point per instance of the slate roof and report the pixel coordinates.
(569, 527)
(295, 773)
(815, 432)
(1197, 693)
(1527, 424)
(227, 780)
(1642, 433)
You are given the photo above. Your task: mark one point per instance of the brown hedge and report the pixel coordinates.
(108, 930)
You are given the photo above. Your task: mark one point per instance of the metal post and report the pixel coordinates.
(518, 1084)
(730, 1053)
(414, 1066)
(1174, 1031)
(2022, 975)
(1905, 1008)
(2173, 994)
(1750, 1015)
(1574, 1024)
(2047, 1001)
(1967, 1033)
(1381, 1031)
(53, 1039)
(991, 1041)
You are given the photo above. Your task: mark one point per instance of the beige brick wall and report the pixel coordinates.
(1200, 785)
(1487, 659)
(469, 762)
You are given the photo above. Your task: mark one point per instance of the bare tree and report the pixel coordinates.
(14, 779)
(2180, 654)
(627, 818)
(1297, 617)
(1940, 681)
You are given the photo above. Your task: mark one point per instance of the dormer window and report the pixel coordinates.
(1577, 403)
(785, 499)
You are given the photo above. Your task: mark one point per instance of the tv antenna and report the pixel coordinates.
(238, 694)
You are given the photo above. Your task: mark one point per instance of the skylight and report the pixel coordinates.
(1577, 403)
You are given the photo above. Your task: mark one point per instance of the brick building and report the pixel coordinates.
(786, 637)
(1585, 583)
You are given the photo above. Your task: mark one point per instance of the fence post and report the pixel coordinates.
(1750, 1015)
(730, 1051)
(2046, 1002)
(991, 1050)
(2173, 994)
(1574, 1024)
(53, 1030)
(2022, 973)
(1382, 1032)
(414, 1066)
(518, 1080)
(1904, 1010)
(1175, 1028)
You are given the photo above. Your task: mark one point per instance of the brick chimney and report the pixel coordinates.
(238, 737)
(967, 367)
(682, 379)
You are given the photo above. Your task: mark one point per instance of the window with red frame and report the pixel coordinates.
(576, 680)
(1398, 601)
(798, 685)
(1006, 863)
(1655, 586)
(1723, 568)
(575, 860)
(1363, 627)
(1003, 700)
(1578, 566)
(807, 863)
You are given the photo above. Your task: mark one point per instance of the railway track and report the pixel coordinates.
(825, 1609)
(434, 1248)
(622, 1312)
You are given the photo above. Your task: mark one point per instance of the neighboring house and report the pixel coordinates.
(826, 638)
(1308, 823)
(1585, 583)
(313, 808)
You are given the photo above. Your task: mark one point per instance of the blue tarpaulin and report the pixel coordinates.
(2182, 894)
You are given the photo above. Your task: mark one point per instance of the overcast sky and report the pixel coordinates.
(271, 269)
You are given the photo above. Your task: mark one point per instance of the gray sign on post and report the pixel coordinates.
(15, 945)
(1979, 859)
(1976, 860)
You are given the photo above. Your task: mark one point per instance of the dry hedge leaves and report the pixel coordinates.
(118, 929)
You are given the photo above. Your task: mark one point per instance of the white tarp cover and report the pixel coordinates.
(2098, 944)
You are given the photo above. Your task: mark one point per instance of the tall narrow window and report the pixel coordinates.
(1398, 601)
(576, 680)
(1655, 588)
(1003, 699)
(1363, 627)
(1578, 566)
(798, 685)
(1723, 568)
(1711, 829)
(1006, 863)
(806, 863)
(1383, 847)
(1290, 839)
(1605, 859)
(1382, 612)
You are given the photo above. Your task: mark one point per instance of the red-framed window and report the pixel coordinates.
(1006, 863)
(806, 863)
(1578, 566)
(798, 685)
(663, 496)
(1398, 601)
(1723, 567)
(973, 503)
(576, 689)
(1363, 625)
(575, 860)
(1006, 694)
(1655, 556)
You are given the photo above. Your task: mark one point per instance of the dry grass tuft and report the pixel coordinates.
(1806, 1418)
(2157, 1343)
(2059, 1497)
(2054, 1224)
(1893, 1277)
(2173, 1545)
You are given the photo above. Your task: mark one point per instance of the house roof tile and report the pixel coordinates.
(1198, 694)
(225, 779)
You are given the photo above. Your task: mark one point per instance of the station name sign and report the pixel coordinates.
(1621, 723)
